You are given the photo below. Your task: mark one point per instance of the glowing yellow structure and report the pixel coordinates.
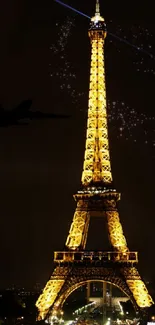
(97, 167)
(97, 197)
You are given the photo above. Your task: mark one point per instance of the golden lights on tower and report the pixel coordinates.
(97, 167)
(96, 182)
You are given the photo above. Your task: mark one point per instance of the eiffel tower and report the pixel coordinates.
(97, 197)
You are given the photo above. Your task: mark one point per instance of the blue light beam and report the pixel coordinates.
(132, 45)
(113, 35)
(73, 9)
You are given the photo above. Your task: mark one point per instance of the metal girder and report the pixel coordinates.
(47, 298)
(115, 229)
(137, 287)
(79, 228)
(97, 167)
(51, 291)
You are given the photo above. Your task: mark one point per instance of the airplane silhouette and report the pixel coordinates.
(22, 112)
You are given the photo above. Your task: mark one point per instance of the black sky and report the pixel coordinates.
(41, 163)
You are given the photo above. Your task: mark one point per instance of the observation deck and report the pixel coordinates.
(91, 257)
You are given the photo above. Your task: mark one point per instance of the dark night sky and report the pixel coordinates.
(41, 163)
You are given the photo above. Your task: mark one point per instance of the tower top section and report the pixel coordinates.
(97, 18)
(97, 27)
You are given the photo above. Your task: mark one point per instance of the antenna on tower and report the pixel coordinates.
(97, 7)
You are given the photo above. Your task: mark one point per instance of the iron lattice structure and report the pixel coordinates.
(76, 266)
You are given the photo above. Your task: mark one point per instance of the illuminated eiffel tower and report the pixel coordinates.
(97, 197)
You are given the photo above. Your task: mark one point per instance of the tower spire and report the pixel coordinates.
(97, 8)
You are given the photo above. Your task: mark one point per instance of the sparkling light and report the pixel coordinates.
(63, 70)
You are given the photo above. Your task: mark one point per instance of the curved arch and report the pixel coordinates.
(58, 305)
(80, 284)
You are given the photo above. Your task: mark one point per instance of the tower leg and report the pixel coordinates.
(115, 230)
(51, 291)
(79, 228)
(137, 287)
